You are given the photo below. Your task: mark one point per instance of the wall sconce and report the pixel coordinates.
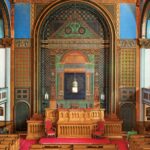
(46, 96)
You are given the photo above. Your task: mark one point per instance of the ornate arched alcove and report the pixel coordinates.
(76, 30)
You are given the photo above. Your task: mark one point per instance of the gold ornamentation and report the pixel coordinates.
(22, 43)
(118, 19)
(6, 42)
(74, 43)
(145, 43)
(22, 68)
(127, 43)
(32, 13)
(127, 67)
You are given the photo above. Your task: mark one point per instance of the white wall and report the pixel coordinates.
(147, 68)
(2, 67)
(8, 83)
(144, 76)
(5, 77)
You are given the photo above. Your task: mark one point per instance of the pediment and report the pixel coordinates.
(75, 29)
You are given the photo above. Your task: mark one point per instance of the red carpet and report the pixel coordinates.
(74, 141)
(122, 144)
(25, 144)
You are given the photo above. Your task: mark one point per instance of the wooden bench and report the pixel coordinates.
(5, 147)
(110, 147)
(96, 147)
(73, 147)
(139, 142)
(50, 147)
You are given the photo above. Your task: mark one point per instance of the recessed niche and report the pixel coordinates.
(69, 78)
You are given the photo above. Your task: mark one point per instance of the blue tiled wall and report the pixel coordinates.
(127, 21)
(22, 20)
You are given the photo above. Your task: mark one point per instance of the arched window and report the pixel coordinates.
(4, 63)
(2, 53)
(1, 25)
(148, 25)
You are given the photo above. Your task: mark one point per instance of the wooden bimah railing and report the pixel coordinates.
(36, 127)
(73, 123)
(78, 122)
(113, 128)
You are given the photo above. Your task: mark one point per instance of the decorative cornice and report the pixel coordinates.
(127, 43)
(98, 1)
(74, 43)
(22, 43)
(144, 43)
(33, 1)
(6, 42)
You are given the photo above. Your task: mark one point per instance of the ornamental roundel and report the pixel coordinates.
(81, 30)
(68, 30)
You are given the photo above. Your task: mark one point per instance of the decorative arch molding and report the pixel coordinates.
(79, 57)
(36, 32)
(144, 19)
(6, 18)
(23, 101)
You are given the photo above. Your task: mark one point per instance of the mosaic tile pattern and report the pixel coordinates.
(127, 67)
(22, 68)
